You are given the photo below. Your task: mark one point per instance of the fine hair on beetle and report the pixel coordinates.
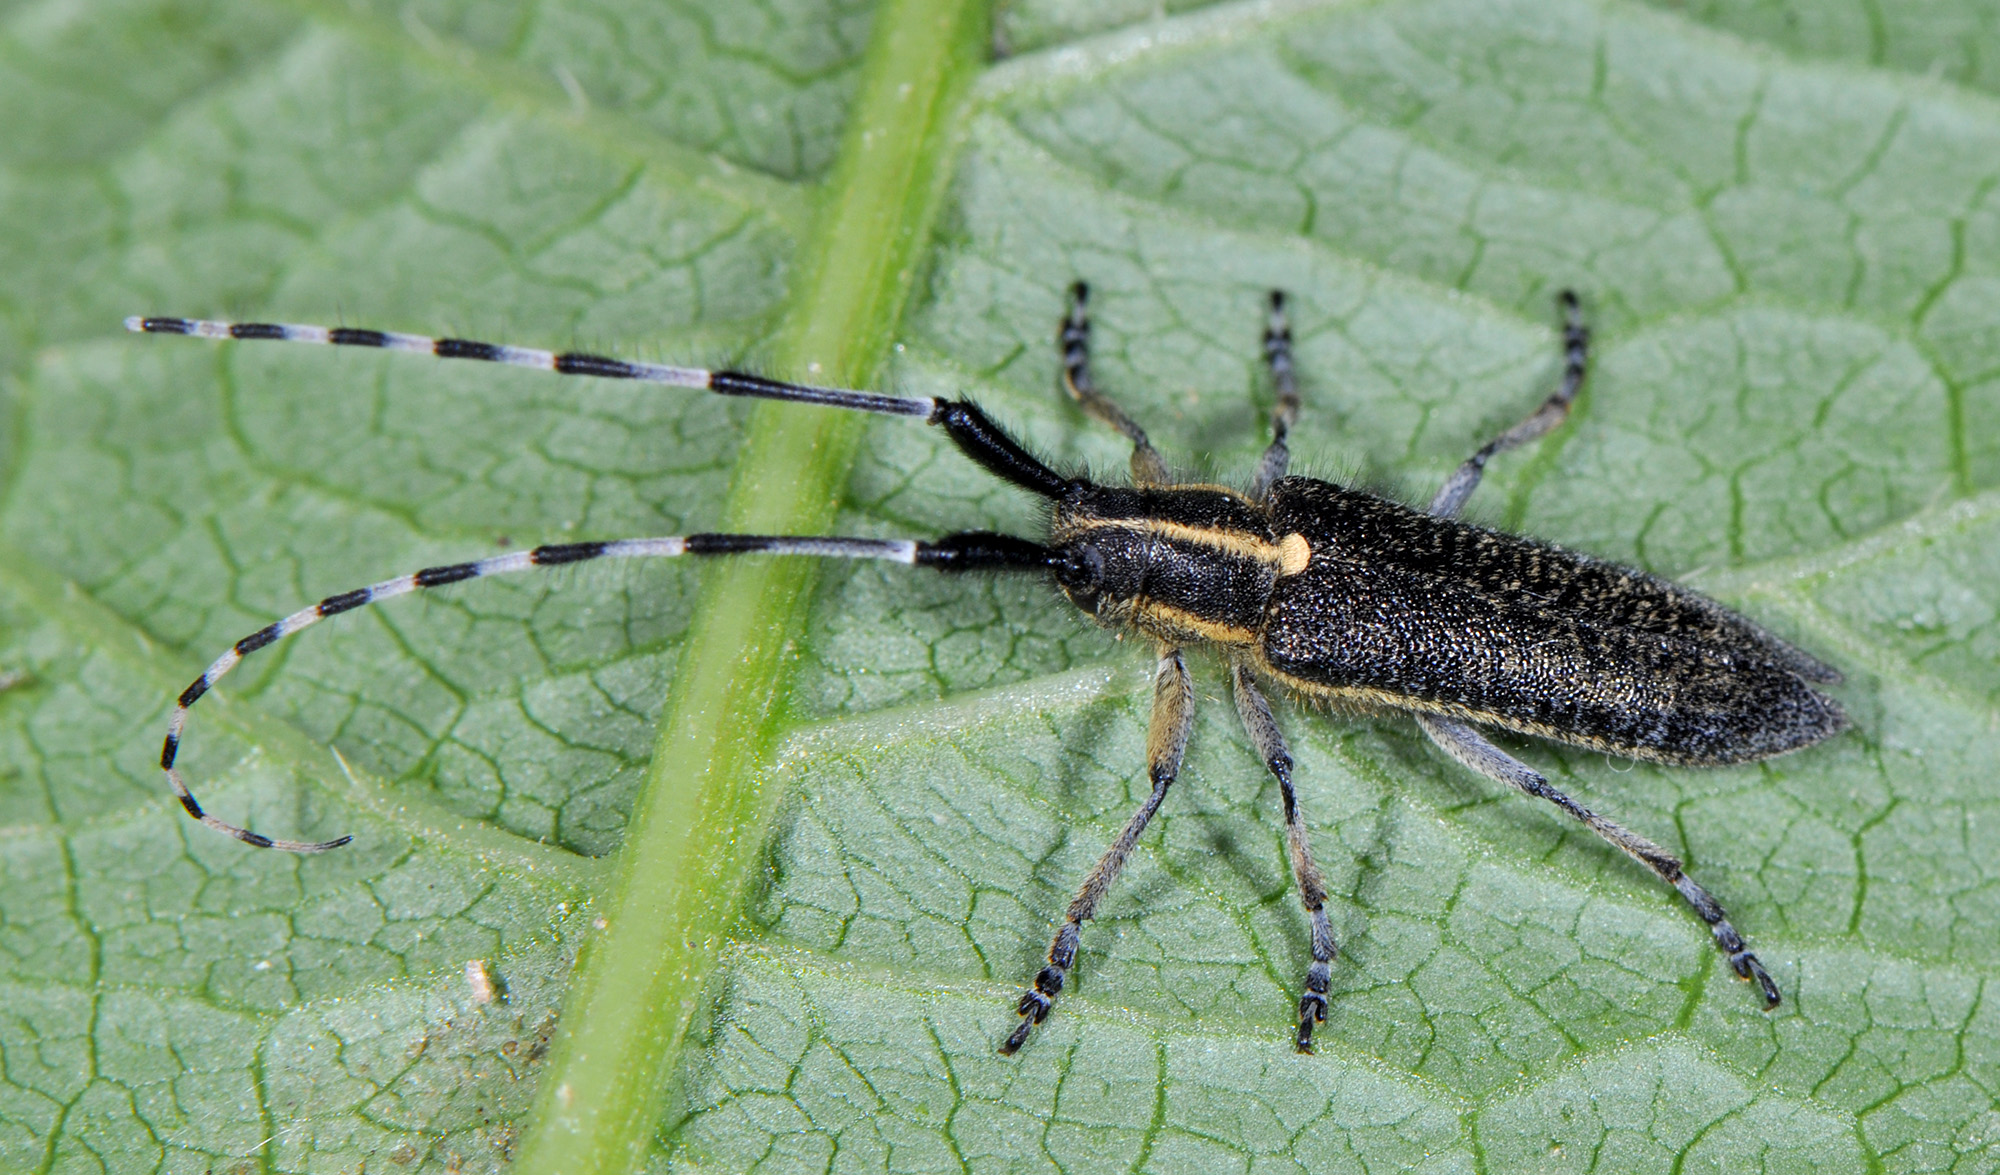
(1341, 597)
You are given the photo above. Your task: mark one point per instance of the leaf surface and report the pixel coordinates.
(1784, 221)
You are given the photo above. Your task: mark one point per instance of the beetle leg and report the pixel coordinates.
(1285, 413)
(1074, 339)
(1471, 748)
(1458, 487)
(1166, 744)
(1270, 743)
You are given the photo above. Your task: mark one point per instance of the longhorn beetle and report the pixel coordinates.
(1332, 593)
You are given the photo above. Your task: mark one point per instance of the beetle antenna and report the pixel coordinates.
(970, 429)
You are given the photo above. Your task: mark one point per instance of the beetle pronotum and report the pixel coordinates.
(1330, 592)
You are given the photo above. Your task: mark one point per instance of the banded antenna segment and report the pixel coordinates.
(966, 551)
(724, 383)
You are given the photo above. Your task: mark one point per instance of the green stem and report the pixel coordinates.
(699, 829)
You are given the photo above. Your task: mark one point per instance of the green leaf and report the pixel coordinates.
(816, 825)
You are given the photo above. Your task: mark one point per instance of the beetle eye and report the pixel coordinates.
(1081, 568)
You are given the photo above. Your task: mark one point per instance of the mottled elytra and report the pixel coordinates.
(1331, 593)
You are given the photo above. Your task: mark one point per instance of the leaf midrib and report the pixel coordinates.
(703, 818)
